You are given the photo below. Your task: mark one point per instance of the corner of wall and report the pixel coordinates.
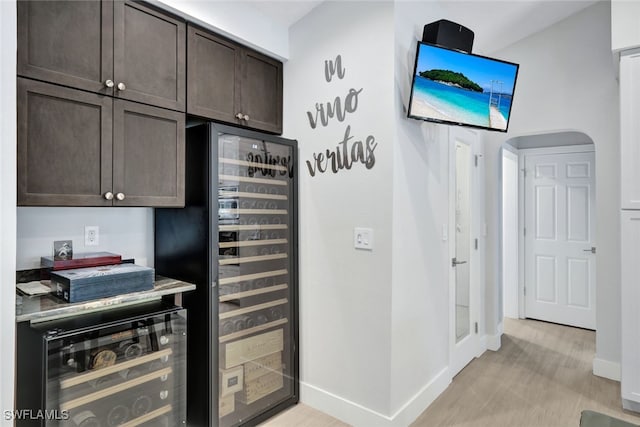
(494, 342)
(8, 136)
(606, 369)
(358, 415)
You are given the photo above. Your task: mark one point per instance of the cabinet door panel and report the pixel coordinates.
(630, 292)
(149, 56)
(64, 146)
(213, 65)
(148, 155)
(630, 131)
(262, 92)
(67, 42)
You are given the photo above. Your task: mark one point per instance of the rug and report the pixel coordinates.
(596, 419)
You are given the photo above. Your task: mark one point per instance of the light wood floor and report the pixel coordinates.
(541, 377)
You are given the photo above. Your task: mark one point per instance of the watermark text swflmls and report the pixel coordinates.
(35, 414)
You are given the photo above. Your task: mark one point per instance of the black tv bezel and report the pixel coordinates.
(448, 122)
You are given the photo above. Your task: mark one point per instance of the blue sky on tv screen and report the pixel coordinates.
(476, 69)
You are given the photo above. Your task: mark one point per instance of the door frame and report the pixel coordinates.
(522, 153)
(471, 346)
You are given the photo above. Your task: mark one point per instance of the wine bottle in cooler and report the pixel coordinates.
(85, 418)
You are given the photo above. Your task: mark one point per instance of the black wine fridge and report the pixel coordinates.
(236, 239)
(122, 367)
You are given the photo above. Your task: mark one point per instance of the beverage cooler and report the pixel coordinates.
(122, 367)
(236, 239)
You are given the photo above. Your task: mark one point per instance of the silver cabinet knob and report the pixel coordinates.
(246, 117)
(108, 195)
(121, 86)
(239, 116)
(109, 83)
(120, 196)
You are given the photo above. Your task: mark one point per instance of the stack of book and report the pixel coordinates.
(96, 275)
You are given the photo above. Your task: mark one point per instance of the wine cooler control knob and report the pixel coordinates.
(164, 340)
(164, 394)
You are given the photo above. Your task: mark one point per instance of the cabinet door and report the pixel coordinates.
(630, 308)
(261, 92)
(148, 155)
(149, 56)
(212, 83)
(64, 146)
(630, 131)
(67, 42)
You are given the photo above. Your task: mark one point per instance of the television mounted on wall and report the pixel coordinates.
(458, 88)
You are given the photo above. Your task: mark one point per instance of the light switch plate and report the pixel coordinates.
(363, 238)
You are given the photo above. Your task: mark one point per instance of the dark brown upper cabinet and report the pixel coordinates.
(118, 48)
(232, 84)
(77, 148)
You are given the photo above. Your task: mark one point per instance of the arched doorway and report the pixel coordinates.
(548, 228)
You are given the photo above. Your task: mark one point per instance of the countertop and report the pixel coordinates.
(49, 307)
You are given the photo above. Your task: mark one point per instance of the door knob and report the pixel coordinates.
(120, 196)
(108, 195)
(109, 83)
(455, 262)
(121, 86)
(592, 250)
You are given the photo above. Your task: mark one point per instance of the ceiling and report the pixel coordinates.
(500, 23)
(285, 12)
(496, 23)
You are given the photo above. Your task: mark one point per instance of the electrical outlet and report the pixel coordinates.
(91, 235)
(363, 238)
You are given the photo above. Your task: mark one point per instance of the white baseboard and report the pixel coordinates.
(606, 369)
(494, 342)
(422, 399)
(360, 416)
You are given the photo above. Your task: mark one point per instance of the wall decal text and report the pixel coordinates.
(350, 150)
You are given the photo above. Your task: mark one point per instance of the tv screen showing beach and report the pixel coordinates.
(462, 89)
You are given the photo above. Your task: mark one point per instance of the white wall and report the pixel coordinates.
(567, 81)
(8, 29)
(345, 294)
(124, 231)
(421, 264)
(509, 181)
(237, 20)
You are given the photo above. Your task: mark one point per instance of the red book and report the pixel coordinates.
(79, 260)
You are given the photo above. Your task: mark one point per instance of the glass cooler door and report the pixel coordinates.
(128, 374)
(255, 222)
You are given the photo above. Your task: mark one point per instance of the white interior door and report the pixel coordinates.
(464, 292)
(560, 255)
